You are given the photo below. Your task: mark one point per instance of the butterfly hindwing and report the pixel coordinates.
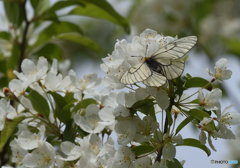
(155, 80)
(137, 73)
(174, 70)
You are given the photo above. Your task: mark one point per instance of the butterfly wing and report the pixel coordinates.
(137, 73)
(170, 64)
(171, 69)
(177, 48)
(169, 56)
(155, 80)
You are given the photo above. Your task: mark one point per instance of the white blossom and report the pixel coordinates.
(169, 149)
(18, 153)
(6, 111)
(162, 99)
(18, 87)
(221, 71)
(90, 145)
(123, 158)
(72, 151)
(88, 84)
(107, 117)
(183, 103)
(31, 72)
(145, 128)
(28, 140)
(126, 129)
(226, 119)
(205, 126)
(5, 47)
(105, 157)
(202, 137)
(43, 156)
(229, 118)
(53, 82)
(90, 122)
(143, 162)
(211, 100)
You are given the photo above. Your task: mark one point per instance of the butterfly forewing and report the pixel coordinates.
(177, 48)
(165, 64)
(137, 73)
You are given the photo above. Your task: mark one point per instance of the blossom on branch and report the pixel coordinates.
(211, 100)
(221, 71)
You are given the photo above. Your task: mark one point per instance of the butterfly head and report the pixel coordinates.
(145, 58)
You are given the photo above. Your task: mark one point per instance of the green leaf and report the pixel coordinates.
(198, 82)
(65, 113)
(100, 9)
(169, 117)
(59, 100)
(69, 97)
(50, 51)
(143, 106)
(14, 11)
(152, 113)
(3, 81)
(5, 35)
(188, 76)
(195, 101)
(3, 67)
(40, 6)
(68, 134)
(62, 111)
(180, 86)
(198, 114)
(195, 143)
(63, 4)
(83, 104)
(81, 40)
(142, 149)
(8, 129)
(183, 124)
(232, 45)
(55, 29)
(173, 164)
(202, 9)
(15, 57)
(34, 3)
(158, 136)
(39, 103)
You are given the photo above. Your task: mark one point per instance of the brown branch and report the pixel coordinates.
(24, 38)
(159, 155)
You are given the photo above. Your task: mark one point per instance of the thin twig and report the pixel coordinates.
(159, 155)
(24, 38)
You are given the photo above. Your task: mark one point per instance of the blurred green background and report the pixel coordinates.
(78, 33)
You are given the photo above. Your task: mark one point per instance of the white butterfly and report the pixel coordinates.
(165, 64)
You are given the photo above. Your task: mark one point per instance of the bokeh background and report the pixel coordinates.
(216, 23)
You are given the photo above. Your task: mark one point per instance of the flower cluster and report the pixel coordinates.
(67, 121)
(127, 55)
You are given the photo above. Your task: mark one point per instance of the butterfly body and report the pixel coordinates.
(154, 65)
(165, 64)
